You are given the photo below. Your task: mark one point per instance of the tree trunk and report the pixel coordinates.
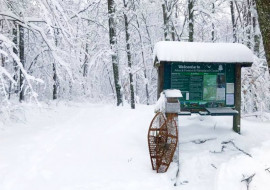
(263, 9)
(256, 37)
(233, 21)
(85, 65)
(54, 82)
(173, 33)
(22, 59)
(2, 56)
(248, 23)
(3, 60)
(213, 24)
(132, 97)
(165, 21)
(112, 35)
(15, 66)
(173, 30)
(191, 20)
(144, 71)
(148, 33)
(55, 78)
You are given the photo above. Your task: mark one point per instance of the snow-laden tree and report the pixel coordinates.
(263, 7)
(67, 45)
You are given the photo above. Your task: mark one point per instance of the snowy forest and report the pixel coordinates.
(102, 51)
(79, 81)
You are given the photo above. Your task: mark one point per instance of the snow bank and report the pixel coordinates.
(160, 104)
(104, 147)
(202, 52)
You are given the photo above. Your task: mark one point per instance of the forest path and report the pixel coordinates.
(104, 147)
(89, 147)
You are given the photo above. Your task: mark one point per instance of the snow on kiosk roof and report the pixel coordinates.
(169, 51)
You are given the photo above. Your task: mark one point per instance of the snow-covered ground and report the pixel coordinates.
(103, 147)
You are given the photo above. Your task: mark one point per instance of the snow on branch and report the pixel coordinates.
(8, 46)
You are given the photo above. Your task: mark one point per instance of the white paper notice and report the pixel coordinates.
(230, 88)
(187, 96)
(220, 93)
(229, 99)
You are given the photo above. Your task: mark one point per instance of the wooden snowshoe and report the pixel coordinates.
(162, 142)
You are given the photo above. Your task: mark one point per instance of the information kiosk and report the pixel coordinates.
(207, 74)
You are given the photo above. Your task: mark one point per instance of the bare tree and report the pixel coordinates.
(22, 59)
(233, 21)
(132, 97)
(191, 20)
(263, 9)
(55, 81)
(256, 32)
(112, 34)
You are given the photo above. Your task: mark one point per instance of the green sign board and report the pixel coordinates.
(202, 85)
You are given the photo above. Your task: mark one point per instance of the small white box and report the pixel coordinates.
(172, 107)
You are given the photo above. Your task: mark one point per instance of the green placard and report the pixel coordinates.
(202, 85)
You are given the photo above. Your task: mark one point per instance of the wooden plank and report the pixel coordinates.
(160, 84)
(237, 99)
(221, 111)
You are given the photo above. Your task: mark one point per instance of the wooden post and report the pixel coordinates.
(160, 84)
(176, 159)
(237, 99)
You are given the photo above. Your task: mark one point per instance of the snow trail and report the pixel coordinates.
(103, 147)
(96, 147)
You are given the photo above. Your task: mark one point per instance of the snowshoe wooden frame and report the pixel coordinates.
(162, 141)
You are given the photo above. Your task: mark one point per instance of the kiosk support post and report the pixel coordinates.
(160, 80)
(237, 98)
